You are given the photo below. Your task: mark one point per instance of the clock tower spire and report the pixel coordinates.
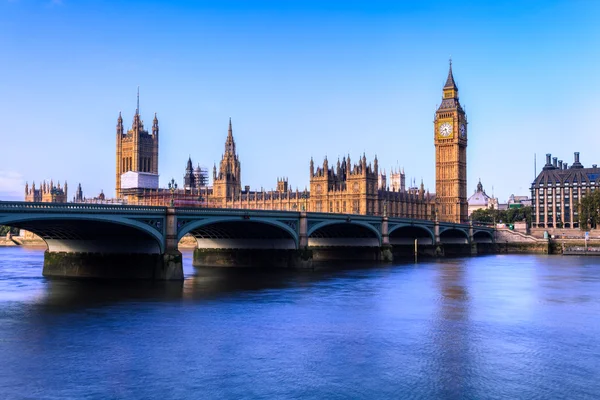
(450, 138)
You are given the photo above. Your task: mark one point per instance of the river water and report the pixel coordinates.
(494, 327)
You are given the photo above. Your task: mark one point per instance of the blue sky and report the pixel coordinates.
(299, 79)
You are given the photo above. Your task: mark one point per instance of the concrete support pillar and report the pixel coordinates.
(303, 231)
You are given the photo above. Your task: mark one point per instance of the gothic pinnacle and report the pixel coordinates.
(450, 81)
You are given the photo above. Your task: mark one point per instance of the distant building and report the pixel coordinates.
(195, 178)
(480, 200)
(557, 190)
(46, 193)
(518, 201)
(78, 195)
(395, 183)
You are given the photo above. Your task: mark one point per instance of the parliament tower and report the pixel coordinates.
(450, 137)
(137, 150)
(227, 182)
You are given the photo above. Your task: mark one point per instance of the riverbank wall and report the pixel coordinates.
(508, 241)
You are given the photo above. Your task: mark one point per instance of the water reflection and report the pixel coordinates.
(451, 356)
(485, 327)
(204, 284)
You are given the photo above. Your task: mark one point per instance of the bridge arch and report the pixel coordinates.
(483, 237)
(91, 233)
(406, 234)
(237, 232)
(343, 233)
(454, 236)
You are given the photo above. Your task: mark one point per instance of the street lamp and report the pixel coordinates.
(385, 207)
(304, 196)
(172, 188)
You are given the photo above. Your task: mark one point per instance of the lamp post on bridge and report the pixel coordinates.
(304, 196)
(172, 188)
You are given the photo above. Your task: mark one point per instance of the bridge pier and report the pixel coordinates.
(256, 258)
(113, 266)
(386, 248)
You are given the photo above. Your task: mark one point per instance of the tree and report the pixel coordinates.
(518, 214)
(588, 210)
(5, 229)
(491, 215)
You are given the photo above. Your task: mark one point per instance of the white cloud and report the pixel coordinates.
(12, 185)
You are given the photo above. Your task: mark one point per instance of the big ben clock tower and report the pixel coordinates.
(450, 137)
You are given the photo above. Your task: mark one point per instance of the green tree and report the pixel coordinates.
(588, 210)
(518, 215)
(4, 230)
(488, 216)
(491, 215)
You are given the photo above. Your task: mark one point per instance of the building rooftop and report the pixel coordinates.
(557, 172)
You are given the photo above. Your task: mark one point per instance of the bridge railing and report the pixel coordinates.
(236, 211)
(15, 206)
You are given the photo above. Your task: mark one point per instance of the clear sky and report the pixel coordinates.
(299, 79)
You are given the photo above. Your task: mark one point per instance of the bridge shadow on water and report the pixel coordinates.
(200, 284)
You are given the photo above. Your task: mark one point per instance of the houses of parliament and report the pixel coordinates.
(344, 186)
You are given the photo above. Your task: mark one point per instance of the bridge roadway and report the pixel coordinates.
(116, 241)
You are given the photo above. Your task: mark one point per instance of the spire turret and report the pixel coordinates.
(450, 84)
(120, 124)
(230, 143)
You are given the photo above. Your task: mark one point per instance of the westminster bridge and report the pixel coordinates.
(119, 241)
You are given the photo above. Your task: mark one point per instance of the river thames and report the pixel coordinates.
(494, 327)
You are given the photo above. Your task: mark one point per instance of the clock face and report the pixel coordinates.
(463, 131)
(445, 129)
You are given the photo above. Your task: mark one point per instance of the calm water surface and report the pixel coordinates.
(497, 327)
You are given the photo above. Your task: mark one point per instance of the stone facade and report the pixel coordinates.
(359, 189)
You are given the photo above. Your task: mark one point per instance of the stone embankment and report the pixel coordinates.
(567, 243)
(508, 241)
(4, 241)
